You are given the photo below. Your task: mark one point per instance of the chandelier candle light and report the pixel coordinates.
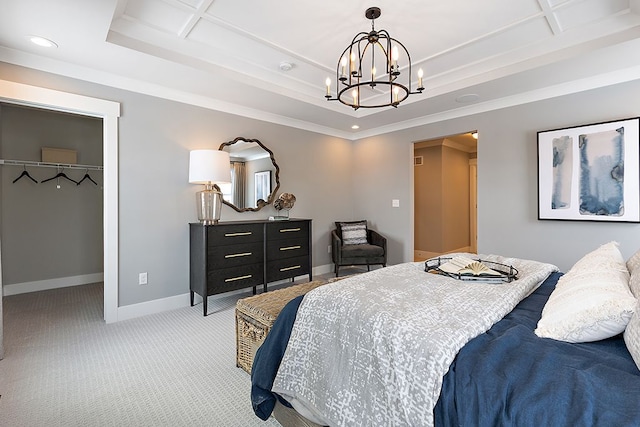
(209, 167)
(383, 74)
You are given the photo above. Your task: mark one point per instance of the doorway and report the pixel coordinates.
(445, 206)
(50, 212)
(109, 111)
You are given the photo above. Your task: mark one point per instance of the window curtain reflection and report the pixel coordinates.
(238, 183)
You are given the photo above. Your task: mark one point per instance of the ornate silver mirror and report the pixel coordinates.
(255, 175)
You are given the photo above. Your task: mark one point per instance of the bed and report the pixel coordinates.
(484, 363)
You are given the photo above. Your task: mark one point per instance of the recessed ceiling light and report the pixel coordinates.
(286, 66)
(466, 98)
(355, 127)
(41, 41)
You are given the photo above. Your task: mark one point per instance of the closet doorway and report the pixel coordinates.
(445, 195)
(51, 191)
(108, 111)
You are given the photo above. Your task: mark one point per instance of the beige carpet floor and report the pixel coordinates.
(64, 366)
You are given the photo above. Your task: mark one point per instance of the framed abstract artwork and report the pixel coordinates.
(590, 172)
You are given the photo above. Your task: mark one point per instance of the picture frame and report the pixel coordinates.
(262, 181)
(590, 172)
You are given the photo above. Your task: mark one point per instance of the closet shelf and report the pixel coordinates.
(49, 165)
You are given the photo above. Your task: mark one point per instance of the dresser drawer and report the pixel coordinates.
(233, 255)
(231, 234)
(286, 268)
(228, 279)
(287, 230)
(287, 248)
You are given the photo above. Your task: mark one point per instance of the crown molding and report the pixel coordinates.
(49, 65)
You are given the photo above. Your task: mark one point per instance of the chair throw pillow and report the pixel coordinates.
(354, 232)
(592, 301)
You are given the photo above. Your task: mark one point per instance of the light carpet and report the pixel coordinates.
(64, 366)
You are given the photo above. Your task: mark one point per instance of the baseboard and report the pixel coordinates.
(180, 301)
(322, 269)
(43, 285)
(132, 311)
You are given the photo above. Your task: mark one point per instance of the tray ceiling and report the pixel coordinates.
(227, 54)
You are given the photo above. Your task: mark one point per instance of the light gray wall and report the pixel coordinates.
(383, 171)
(507, 178)
(49, 233)
(334, 179)
(156, 202)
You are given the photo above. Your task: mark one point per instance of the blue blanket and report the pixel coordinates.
(267, 361)
(506, 376)
(510, 377)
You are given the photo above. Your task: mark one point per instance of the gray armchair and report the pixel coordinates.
(373, 252)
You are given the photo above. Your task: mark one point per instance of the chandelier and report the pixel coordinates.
(372, 59)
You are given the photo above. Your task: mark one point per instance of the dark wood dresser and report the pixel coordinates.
(240, 254)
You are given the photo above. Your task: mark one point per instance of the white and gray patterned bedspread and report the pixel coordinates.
(371, 350)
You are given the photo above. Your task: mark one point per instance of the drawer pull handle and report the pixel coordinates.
(237, 255)
(295, 267)
(288, 248)
(286, 230)
(233, 279)
(244, 233)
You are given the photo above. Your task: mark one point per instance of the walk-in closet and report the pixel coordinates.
(51, 193)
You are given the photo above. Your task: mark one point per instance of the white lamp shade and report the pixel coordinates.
(209, 166)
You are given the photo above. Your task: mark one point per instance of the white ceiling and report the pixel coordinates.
(225, 54)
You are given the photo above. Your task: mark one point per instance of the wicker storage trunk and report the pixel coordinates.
(255, 316)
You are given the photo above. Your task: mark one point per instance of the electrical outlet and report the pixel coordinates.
(329, 249)
(142, 279)
(395, 203)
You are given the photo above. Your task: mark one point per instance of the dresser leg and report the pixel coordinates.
(204, 305)
(191, 298)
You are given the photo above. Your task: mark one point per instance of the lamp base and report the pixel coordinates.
(209, 205)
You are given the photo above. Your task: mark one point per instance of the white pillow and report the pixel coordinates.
(592, 301)
(632, 336)
(633, 265)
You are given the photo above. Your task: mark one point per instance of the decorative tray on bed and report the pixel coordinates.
(471, 270)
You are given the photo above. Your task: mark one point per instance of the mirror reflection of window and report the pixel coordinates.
(262, 186)
(226, 190)
(238, 184)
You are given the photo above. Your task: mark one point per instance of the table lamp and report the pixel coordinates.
(209, 167)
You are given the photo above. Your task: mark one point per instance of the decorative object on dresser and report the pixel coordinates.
(284, 203)
(209, 167)
(248, 157)
(234, 255)
(352, 243)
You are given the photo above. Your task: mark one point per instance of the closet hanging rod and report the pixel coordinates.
(49, 165)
